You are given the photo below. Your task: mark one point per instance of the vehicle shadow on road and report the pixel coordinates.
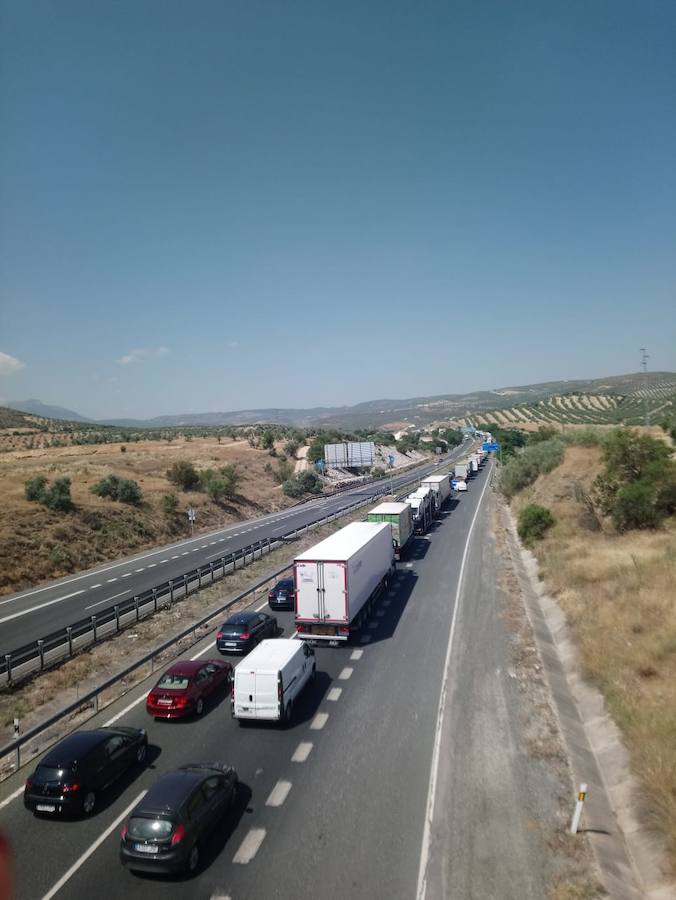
(388, 622)
(117, 789)
(417, 550)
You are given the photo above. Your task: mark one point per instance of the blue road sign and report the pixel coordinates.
(490, 447)
(390, 460)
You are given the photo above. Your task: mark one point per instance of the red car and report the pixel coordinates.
(183, 688)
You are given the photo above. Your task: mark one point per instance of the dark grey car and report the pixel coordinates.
(167, 829)
(244, 630)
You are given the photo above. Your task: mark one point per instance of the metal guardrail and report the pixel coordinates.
(92, 698)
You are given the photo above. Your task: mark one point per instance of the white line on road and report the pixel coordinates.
(319, 721)
(111, 580)
(143, 569)
(346, 673)
(127, 575)
(249, 846)
(259, 608)
(279, 793)
(334, 694)
(434, 768)
(302, 751)
(163, 561)
(201, 653)
(94, 586)
(94, 847)
(25, 612)
(123, 712)
(108, 599)
(175, 557)
(357, 654)
(11, 797)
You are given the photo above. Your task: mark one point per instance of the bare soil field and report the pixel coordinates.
(617, 591)
(38, 544)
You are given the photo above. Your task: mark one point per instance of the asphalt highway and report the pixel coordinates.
(48, 608)
(335, 805)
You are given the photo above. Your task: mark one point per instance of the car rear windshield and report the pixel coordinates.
(51, 773)
(284, 586)
(171, 682)
(235, 629)
(149, 828)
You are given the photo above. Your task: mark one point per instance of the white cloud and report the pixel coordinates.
(9, 364)
(233, 345)
(142, 354)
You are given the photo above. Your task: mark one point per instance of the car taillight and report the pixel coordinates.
(123, 833)
(271, 595)
(181, 701)
(245, 636)
(300, 628)
(70, 788)
(344, 629)
(178, 835)
(29, 785)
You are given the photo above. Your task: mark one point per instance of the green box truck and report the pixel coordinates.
(400, 518)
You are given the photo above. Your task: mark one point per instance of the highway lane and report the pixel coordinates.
(40, 611)
(353, 818)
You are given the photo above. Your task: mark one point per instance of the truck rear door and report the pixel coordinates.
(334, 592)
(244, 693)
(309, 600)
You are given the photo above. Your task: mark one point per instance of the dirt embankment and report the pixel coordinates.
(618, 593)
(36, 544)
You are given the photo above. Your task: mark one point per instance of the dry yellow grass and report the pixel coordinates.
(619, 595)
(36, 544)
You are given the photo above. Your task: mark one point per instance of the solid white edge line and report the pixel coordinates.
(25, 612)
(434, 767)
(123, 712)
(92, 849)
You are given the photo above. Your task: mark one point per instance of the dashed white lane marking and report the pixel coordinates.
(334, 694)
(11, 797)
(357, 654)
(302, 751)
(92, 849)
(346, 673)
(194, 550)
(111, 580)
(108, 599)
(185, 553)
(220, 540)
(175, 557)
(24, 612)
(163, 561)
(220, 897)
(141, 570)
(127, 575)
(94, 586)
(386, 602)
(319, 721)
(204, 546)
(249, 846)
(380, 613)
(279, 793)
(373, 625)
(151, 565)
(365, 638)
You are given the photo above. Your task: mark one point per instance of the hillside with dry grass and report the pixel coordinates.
(37, 543)
(618, 593)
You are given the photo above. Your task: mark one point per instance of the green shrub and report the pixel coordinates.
(525, 466)
(291, 447)
(57, 497)
(184, 475)
(34, 488)
(534, 520)
(284, 471)
(635, 506)
(169, 505)
(303, 483)
(378, 472)
(122, 489)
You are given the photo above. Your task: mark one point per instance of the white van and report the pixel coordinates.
(267, 682)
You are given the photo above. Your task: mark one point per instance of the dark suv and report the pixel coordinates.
(282, 596)
(166, 829)
(72, 773)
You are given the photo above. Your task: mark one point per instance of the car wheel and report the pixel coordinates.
(141, 753)
(193, 859)
(88, 803)
(199, 706)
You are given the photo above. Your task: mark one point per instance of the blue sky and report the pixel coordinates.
(222, 205)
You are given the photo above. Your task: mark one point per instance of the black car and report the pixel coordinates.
(73, 773)
(244, 630)
(166, 829)
(282, 596)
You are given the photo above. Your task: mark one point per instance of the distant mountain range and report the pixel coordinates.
(371, 413)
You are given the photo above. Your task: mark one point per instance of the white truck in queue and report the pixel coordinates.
(422, 507)
(337, 580)
(440, 485)
(266, 684)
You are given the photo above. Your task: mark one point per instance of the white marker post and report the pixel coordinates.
(582, 794)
